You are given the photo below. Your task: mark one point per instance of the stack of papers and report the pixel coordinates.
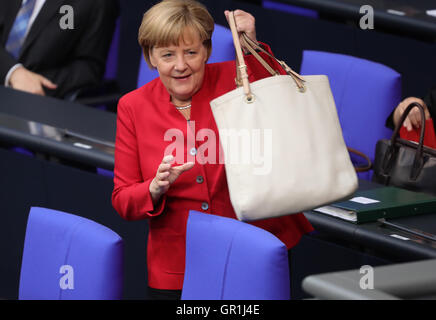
(338, 213)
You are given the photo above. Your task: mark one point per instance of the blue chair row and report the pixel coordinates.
(67, 257)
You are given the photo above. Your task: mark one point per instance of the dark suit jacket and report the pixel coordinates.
(72, 59)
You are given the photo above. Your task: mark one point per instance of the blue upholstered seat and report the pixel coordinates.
(365, 93)
(227, 259)
(67, 257)
(285, 7)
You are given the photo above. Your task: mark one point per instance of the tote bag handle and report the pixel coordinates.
(241, 67)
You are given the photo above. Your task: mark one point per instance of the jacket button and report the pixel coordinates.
(204, 206)
(200, 179)
(193, 152)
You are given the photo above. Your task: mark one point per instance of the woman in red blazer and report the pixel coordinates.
(167, 148)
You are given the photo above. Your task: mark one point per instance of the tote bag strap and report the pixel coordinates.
(253, 47)
(245, 41)
(241, 67)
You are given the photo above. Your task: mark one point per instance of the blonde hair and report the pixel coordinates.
(167, 22)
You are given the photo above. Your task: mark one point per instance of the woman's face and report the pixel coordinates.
(181, 68)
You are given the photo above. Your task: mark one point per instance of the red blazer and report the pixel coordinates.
(144, 116)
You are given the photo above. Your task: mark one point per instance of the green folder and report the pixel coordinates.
(382, 202)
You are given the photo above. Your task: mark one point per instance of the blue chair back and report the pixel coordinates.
(365, 93)
(67, 257)
(284, 7)
(222, 45)
(227, 259)
(222, 50)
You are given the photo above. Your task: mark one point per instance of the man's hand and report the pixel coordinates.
(25, 80)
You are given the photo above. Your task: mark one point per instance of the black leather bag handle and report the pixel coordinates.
(418, 161)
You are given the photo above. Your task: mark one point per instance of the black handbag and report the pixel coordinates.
(406, 164)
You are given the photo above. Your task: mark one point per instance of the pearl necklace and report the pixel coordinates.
(183, 108)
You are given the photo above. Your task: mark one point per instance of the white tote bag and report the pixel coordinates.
(283, 147)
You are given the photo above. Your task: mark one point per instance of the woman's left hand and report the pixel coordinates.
(245, 22)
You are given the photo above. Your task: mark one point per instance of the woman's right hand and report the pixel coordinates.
(413, 119)
(165, 177)
(245, 23)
